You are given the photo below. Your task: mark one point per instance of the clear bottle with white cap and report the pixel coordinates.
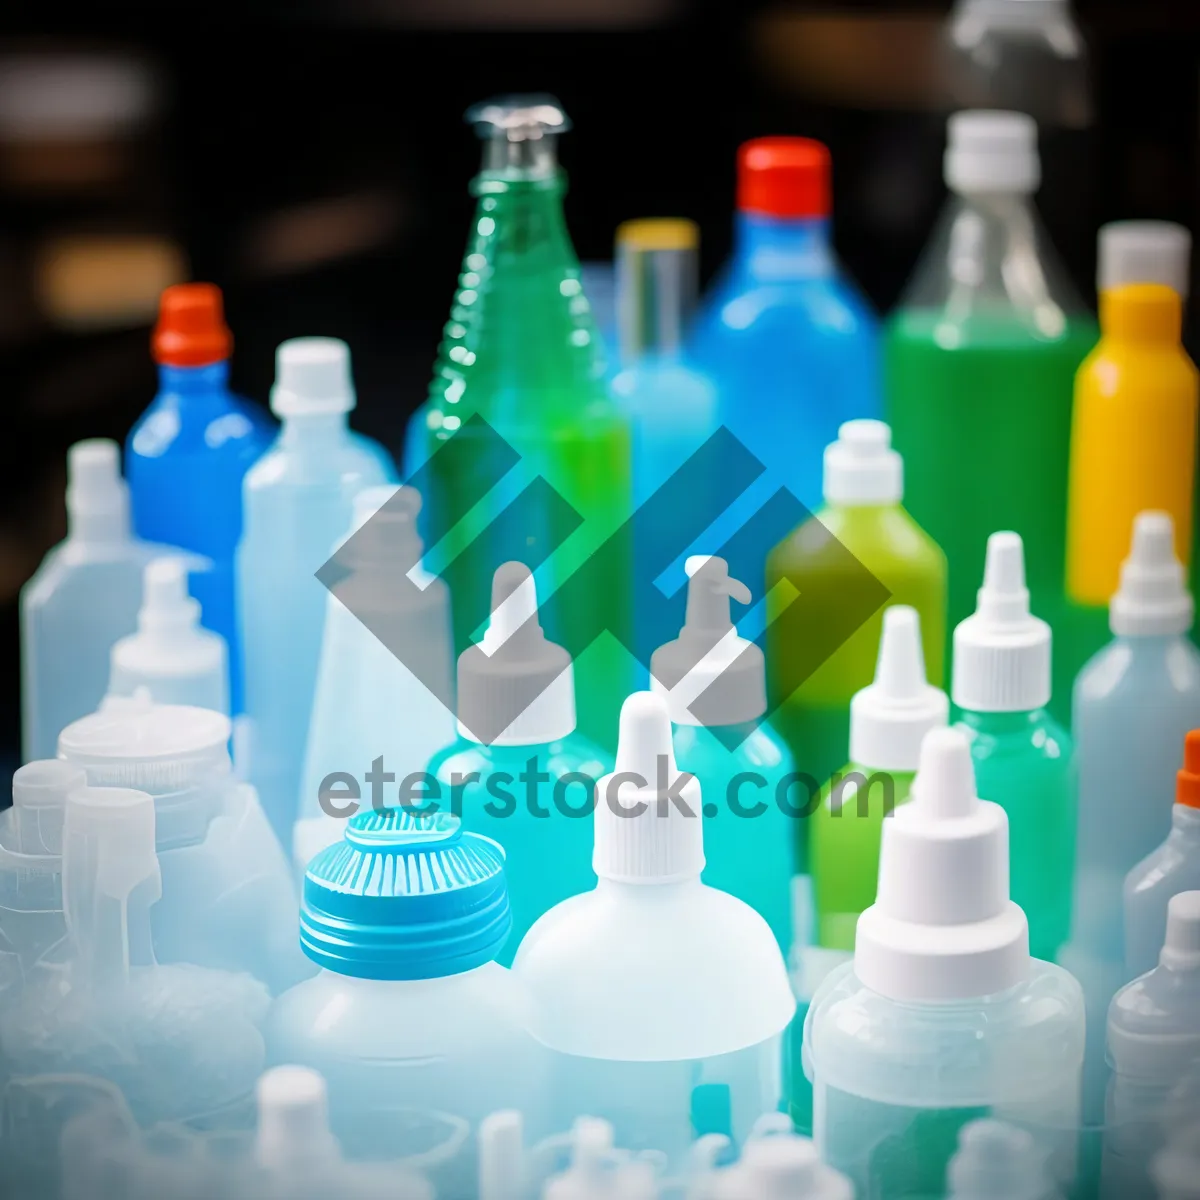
(519, 771)
(171, 655)
(228, 900)
(714, 683)
(998, 1161)
(298, 501)
(384, 687)
(1023, 757)
(1133, 705)
(84, 596)
(943, 1016)
(663, 1000)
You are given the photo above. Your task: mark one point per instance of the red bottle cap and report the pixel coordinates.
(191, 329)
(1187, 781)
(784, 177)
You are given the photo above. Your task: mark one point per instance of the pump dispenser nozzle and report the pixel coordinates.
(97, 496)
(293, 1120)
(166, 605)
(1153, 599)
(519, 134)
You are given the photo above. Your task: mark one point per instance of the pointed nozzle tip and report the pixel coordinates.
(1004, 569)
(1153, 540)
(900, 670)
(945, 783)
(645, 734)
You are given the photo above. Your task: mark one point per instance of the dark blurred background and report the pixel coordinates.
(310, 157)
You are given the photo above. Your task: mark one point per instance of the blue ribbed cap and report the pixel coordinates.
(405, 897)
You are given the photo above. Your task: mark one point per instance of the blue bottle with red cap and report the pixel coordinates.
(787, 337)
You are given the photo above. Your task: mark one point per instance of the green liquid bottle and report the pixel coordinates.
(980, 362)
(521, 351)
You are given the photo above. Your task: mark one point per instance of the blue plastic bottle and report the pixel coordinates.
(788, 340)
(520, 772)
(299, 499)
(186, 455)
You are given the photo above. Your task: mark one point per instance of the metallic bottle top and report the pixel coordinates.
(519, 133)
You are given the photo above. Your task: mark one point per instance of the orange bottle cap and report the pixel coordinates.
(784, 177)
(191, 329)
(1187, 781)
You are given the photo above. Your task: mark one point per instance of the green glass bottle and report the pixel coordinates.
(520, 350)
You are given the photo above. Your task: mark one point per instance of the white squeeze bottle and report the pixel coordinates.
(171, 654)
(943, 1016)
(664, 1000)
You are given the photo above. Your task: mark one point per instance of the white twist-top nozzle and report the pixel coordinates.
(312, 377)
(514, 607)
(1002, 651)
(1144, 252)
(1181, 950)
(992, 151)
(649, 826)
(293, 1120)
(1153, 598)
(997, 1161)
(861, 467)
(942, 926)
(890, 717)
(97, 495)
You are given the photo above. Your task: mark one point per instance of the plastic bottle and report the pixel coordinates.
(519, 771)
(863, 516)
(170, 655)
(416, 1028)
(1153, 1034)
(520, 350)
(1173, 867)
(663, 1000)
(943, 1017)
(383, 685)
(299, 500)
(996, 1161)
(990, 315)
(187, 453)
(83, 597)
(1134, 703)
(227, 899)
(1023, 758)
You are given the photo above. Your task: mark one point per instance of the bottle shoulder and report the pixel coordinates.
(349, 458)
(1033, 741)
(222, 425)
(1128, 671)
(1117, 372)
(701, 750)
(885, 538)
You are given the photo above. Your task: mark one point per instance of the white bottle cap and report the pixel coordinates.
(657, 842)
(97, 496)
(990, 151)
(997, 1161)
(1181, 950)
(1144, 252)
(890, 717)
(166, 605)
(942, 926)
(39, 791)
(312, 377)
(293, 1120)
(861, 467)
(709, 675)
(781, 1167)
(515, 687)
(1002, 652)
(502, 1174)
(1153, 599)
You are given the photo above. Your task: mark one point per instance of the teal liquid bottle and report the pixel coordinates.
(520, 773)
(1023, 758)
(520, 351)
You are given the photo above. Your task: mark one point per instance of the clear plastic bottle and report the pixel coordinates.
(83, 597)
(170, 655)
(519, 771)
(996, 1161)
(664, 1001)
(942, 1017)
(298, 501)
(383, 686)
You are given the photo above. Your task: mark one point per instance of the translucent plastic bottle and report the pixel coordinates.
(299, 499)
(990, 315)
(997, 1161)
(791, 344)
(187, 453)
(383, 685)
(1023, 757)
(170, 655)
(83, 597)
(863, 517)
(416, 1028)
(520, 350)
(227, 898)
(664, 1001)
(1153, 1034)
(519, 771)
(943, 1017)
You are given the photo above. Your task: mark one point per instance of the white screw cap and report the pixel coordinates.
(861, 467)
(293, 1120)
(991, 151)
(1153, 598)
(1144, 252)
(942, 926)
(890, 717)
(640, 835)
(1002, 652)
(1181, 950)
(312, 377)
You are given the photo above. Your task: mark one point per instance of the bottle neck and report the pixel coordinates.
(195, 385)
(319, 431)
(783, 248)
(1185, 820)
(650, 890)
